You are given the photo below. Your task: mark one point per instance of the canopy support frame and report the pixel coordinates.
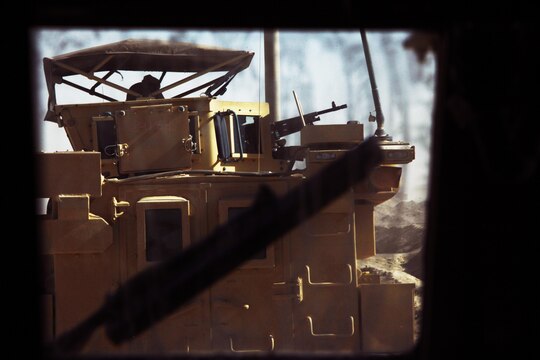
(96, 78)
(196, 75)
(89, 91)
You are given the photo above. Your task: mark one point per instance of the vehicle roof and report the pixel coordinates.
(149, 55)
(142, 55)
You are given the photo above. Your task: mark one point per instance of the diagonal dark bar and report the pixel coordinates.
(153, 294)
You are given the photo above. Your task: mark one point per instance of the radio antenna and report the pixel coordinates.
(379, 117)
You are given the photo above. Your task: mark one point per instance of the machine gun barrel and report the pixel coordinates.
(156, 292)
(333, 108)
(290, 126)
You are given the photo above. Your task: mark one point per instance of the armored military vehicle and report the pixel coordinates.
(150, 176)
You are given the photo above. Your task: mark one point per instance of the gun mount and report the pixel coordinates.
(292, 125)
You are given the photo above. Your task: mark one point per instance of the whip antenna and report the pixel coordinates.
(379, 117)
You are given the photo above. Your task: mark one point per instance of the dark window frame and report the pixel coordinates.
(269, 261)
(156, 203)
(162, 233)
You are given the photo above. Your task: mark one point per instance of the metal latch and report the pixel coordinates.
(293, 290)
(121, 149)
(118, 204)
(189, 145)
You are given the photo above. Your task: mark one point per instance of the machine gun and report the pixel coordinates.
(290, 126)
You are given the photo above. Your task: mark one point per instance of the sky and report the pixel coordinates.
(319, 66)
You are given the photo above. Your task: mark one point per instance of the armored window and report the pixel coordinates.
(236, 134)
(234, 211)
(163, 232)
(163, 228)
(222, 137)
(232, 207)
(249, 135)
